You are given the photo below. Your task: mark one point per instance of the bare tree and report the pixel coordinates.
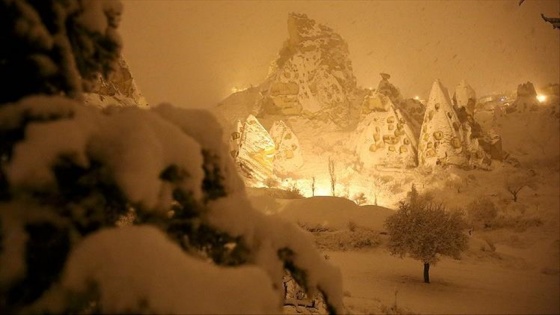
(515, 183)
(554, 21)
(313, 186)
(332, 174)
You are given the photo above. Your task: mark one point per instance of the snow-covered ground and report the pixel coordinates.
(512, 270)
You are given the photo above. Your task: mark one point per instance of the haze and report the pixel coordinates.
(195, 53)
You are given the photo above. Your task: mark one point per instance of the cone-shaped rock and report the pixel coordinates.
(384, 137)
(441, 137)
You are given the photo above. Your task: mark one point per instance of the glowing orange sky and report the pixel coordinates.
(192, 53)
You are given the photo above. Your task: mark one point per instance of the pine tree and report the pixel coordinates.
(56, 47)
(69, 174)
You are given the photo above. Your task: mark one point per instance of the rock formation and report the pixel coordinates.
(312, 76)
(413, 112)
(526, 98)
(388, 89)
(441, 137)
(235, 140)
(288, 157)
(311, 92)
(120, 89)
(384, 137)
(256, 151)
(450, 136)
(262, 155)
(464, 97)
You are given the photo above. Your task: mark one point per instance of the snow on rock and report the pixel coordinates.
(288, 157)
(262, 154)
(413, 111)
(388, 89)
(237, 107)
(235, 140)
(526, 98)
(256, 151)
(119, 89)
(464, 96)
(375, 102)
(383, 137)
(451, 136)
(441, 138)
(312, 76)
(137, 269)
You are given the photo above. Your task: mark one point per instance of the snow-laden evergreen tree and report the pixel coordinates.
(425, 231)
(125, 210)
(56, 47)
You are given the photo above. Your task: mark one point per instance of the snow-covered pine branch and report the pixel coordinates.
(71, 174)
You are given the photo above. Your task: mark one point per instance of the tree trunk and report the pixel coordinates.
(426, 273)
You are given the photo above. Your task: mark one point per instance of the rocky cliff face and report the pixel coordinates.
(312, 76)
(119, 89)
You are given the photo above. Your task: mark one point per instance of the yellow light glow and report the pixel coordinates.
(541, 98)
(417, 97)
(234, 90)
(323, 191)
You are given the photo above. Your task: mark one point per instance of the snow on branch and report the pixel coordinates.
(70, 173)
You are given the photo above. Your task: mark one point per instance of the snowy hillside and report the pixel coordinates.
(511, 270)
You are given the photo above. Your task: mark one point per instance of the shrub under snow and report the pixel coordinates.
(71, 175)
(70, 172)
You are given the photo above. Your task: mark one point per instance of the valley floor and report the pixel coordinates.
(374, 280)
